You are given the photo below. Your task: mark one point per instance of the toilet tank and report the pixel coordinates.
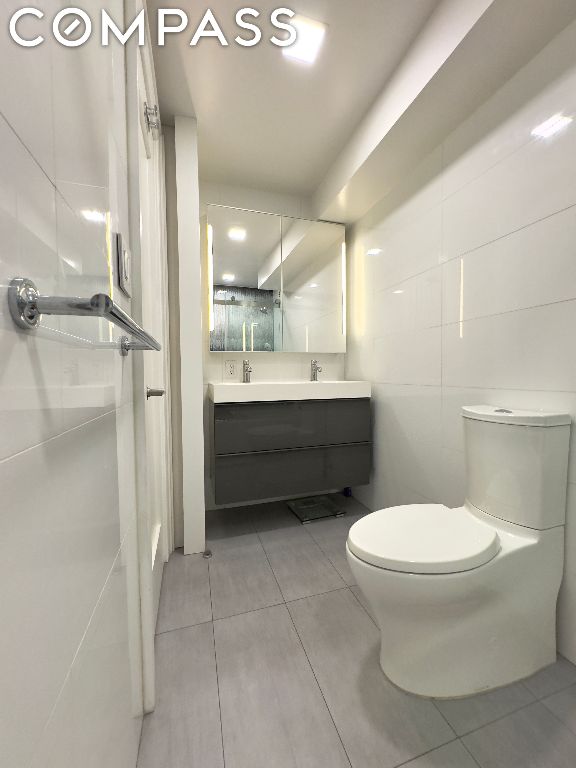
(517, 464)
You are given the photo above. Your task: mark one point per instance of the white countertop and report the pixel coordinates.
(269, 391)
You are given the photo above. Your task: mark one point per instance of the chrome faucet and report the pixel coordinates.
(246, 371)
(314, 370)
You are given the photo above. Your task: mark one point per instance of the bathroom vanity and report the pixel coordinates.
(289, 438)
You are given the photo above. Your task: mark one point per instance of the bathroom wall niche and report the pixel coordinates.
(275, 283)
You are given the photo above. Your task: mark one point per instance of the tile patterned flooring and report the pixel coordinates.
(267, 657)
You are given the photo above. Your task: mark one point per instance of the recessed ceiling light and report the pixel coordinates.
(237, 233)
(228, 277)
(551, 126)
(397, 291)
(374, 252)
(297, 297)
(313, 285)
(309, 41)
(98, 217)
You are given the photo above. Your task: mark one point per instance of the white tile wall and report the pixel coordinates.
(472, 298)
(69, 655)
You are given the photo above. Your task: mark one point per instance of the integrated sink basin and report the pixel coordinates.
(271, 391)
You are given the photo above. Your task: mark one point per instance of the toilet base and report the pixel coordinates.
(456, 635)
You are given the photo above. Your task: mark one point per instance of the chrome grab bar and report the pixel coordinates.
(27, 306)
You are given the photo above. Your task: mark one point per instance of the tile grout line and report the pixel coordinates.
(64, 433)
(443, 716)
(186, 626)
(362, 606)
(536, 700)
(306, 655)
(319, 686)
(216, 668)
(460, 740)
(503, 717)
(440, 264)
(270, 566)
(271, 569)
(424, 754)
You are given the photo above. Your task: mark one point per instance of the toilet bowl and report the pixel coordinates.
(465, 598)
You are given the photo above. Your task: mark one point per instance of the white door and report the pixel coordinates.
(153, 379)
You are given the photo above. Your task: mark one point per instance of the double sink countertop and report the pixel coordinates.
(270, 391)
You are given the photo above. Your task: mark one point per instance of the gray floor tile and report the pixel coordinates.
(452, 755)
(228, 523)
(277, 536)
(530, 738)
(563, 705)
(333, 528)
(465, 715)
(336, 553)
(357, 592)
(300, 566)
(273, 714)
(185, 597)
(380, 726)
(350, 505)
(184, 730)
(554, 678)
(241, 579)
(274, 516)
(331, 536)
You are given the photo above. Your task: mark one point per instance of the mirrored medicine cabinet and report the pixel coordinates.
(276, 284)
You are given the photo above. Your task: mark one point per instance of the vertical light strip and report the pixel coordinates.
(252, 337)
(461, 298)
(344, 289)
(110, 266)
(244, 336)
(211, 276)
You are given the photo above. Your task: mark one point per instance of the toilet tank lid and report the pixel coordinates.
(515, 416)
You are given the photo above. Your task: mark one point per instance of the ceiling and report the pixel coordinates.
(270, 123)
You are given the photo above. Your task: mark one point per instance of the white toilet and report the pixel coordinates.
(465, 598)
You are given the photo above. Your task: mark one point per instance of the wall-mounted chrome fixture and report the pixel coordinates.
(27, 307)
(315, 369)
(152, 117)
(246, 371)
(151, 392)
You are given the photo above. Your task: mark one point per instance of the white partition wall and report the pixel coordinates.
(191, 347)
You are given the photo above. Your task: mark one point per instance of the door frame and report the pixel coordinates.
(148, 596)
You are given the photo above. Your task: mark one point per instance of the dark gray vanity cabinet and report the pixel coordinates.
(265, 450)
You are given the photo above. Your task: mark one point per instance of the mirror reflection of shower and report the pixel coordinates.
(244, 320)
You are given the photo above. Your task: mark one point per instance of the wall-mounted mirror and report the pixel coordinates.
(245, 315)
(313, 286)
(276, 283)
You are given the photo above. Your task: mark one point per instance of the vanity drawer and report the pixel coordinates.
(253, 476)
(262, 426)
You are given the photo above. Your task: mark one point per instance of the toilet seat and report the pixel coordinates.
(423, 538)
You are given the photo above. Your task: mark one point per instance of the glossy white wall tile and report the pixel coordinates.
(515, 272)
(70, 663)
(64, 535)
(462, 287)
(94, 722)
(410, 357)
(528, 349)
(534, 182)
(31, 371)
